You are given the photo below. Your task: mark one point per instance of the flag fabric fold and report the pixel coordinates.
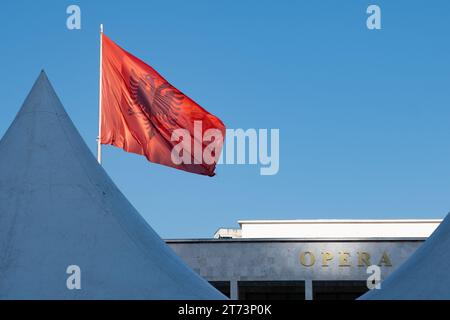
(143, 113)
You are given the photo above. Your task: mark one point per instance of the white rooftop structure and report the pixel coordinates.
(59, 208)
(331, 229)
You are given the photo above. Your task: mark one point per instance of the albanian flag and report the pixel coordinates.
(143, 113)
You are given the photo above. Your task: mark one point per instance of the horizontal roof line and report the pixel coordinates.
(228, 240)
(336, 221)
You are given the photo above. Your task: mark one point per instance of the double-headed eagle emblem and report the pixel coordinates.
(158, 104)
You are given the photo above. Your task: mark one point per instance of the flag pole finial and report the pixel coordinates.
(101, 28)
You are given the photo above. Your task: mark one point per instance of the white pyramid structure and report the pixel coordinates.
(59, 208)
(425, 275)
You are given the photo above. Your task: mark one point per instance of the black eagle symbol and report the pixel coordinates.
(158, 104)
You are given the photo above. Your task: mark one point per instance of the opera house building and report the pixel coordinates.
(302, 259)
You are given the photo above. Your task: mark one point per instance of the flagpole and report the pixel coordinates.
(99, 142)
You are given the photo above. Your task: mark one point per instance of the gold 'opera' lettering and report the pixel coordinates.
(326, 258)
(303, 260)
(385, 260)
(344, 259)
(363, 259)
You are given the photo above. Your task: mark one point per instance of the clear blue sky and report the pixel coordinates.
(364, 116)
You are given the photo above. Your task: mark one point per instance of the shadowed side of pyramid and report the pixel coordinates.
(425, 275)
(58, 207)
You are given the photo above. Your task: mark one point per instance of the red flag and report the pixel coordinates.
(144, 114)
